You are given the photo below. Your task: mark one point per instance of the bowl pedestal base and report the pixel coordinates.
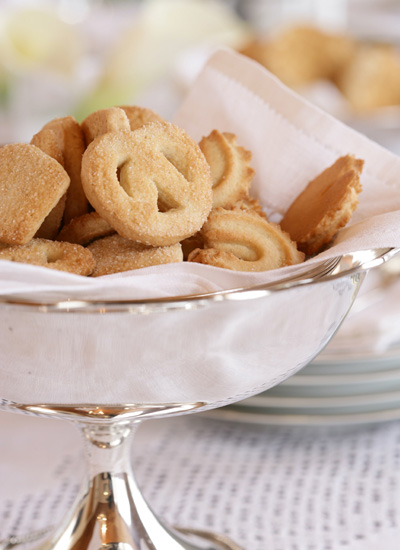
(110, 512)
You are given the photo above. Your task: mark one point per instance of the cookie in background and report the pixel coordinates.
(367, 74)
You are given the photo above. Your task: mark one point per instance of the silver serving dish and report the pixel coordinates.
(109, 365)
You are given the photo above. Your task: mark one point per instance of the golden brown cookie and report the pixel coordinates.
(85, 229)
(152, 185)
(191, 243)
(71, 141)
(102, 121)
(48, 142)
(325, 205)
(138, 116)
(230, 170)
(257, 49)
(250, 203)
(52, 222)
(60, 256)
(115, 254)
(31, 184)
(372, 78)
(243, 240)
(301, 54)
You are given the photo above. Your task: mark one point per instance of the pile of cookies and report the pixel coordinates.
(367, 74)
(125, 190)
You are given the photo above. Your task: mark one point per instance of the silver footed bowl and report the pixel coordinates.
(109, 365)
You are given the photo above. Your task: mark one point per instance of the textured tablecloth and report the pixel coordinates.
(275, 488)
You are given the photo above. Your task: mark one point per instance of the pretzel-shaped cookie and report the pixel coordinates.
(230, 170)
(72, 258)
(243, 240)
(163, 194)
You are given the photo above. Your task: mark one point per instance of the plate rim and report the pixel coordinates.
(320, 402)
(305, 420)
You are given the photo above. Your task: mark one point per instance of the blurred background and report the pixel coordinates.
(70, 57)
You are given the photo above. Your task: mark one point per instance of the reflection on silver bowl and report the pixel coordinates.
(109, 365)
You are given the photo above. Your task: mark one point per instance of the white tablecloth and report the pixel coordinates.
(266, 487)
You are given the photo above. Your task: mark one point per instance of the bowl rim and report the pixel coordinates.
(328, 270)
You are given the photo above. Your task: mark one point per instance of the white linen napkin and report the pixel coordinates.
(291, 142)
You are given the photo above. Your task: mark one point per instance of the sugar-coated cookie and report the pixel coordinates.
(115, 254)
(152, 185)
(72, 144)
(31, 184)
(85, 229)
(103, 121)
(60, 256)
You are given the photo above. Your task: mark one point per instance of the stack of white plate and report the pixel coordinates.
(356, 379)
(333, 389)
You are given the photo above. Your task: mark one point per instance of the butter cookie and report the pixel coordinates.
(85, 229)
(243, 240)
(152, 185)
(60, 256)
(103, 121)
(31, 184)
(115, 254)
(72, 144)
(138, 116)
(325, 205)
(230, 170)
(48, 142)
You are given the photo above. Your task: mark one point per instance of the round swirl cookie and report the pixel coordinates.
(252, 204)
(242, 240)
(230, 169)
